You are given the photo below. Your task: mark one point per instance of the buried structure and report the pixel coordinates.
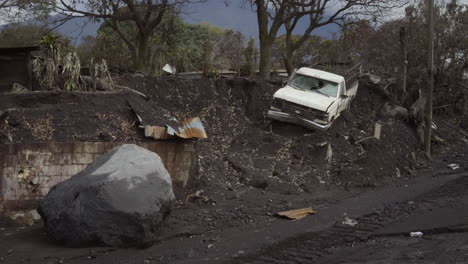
(48, 136)
(120, 200)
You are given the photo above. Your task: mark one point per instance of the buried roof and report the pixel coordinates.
(23, 49)
(190, 128)
(167, 128)
(15, 67)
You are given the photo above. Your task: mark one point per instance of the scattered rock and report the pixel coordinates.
(18, 88)
(259, 184)
(106, 136)
(24, 218)
(13, 118)
(349, 221)
(101, 85)
(394, 111)
(121, 199)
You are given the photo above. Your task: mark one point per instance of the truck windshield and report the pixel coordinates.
(310, 83)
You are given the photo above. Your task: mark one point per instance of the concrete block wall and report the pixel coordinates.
(28, 171)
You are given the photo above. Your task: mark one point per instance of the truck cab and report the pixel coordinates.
(313, 98)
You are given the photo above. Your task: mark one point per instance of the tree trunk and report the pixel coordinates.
(142, 53)
(288, 62)
(266, 43)
(265, 58)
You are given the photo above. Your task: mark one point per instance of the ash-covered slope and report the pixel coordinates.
(243, 148)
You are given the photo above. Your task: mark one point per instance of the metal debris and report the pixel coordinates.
(191, 128)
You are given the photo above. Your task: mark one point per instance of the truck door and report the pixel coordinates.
(344, 98)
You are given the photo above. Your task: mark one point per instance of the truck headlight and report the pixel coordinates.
(277, 103)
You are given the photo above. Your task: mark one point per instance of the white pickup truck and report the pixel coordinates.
(313, 98)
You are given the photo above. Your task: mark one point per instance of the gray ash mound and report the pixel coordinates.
(67, 117)
(243, 148)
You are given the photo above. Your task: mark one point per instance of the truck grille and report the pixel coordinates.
(302, 111)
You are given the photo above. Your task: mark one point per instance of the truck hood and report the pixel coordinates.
(306, 98)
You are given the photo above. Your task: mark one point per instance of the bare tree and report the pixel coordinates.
(10, 10)
(145, 15)
(4, 3)
(272, 14)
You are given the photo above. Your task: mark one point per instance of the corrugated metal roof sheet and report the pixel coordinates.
(191, 128)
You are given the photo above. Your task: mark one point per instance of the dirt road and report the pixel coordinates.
(383, 236)
(246, 231)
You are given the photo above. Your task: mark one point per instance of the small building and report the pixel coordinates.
(16, 67)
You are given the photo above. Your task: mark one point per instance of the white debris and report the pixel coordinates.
(329, 154)
(169, 69)
(416, 234)
(375, 79)
(349, 221)
(454, 166)
(377, 130)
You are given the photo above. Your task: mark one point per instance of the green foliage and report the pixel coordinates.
(187, 47)
(50, 41)
(85, 49)
(110, 47)
(250, 59)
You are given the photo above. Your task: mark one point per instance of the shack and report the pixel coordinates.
(15, 67)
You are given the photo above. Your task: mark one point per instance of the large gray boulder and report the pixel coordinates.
(120, 200)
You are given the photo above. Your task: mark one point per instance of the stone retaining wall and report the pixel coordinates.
(28, 171)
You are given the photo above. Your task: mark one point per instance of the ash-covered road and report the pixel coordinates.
(383, 236)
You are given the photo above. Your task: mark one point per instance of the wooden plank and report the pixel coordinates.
(377, 130)
(297, 213)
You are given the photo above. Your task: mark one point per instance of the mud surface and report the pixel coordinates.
(67, 117)
(383, 236)
(243, 148)
(246, 230)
